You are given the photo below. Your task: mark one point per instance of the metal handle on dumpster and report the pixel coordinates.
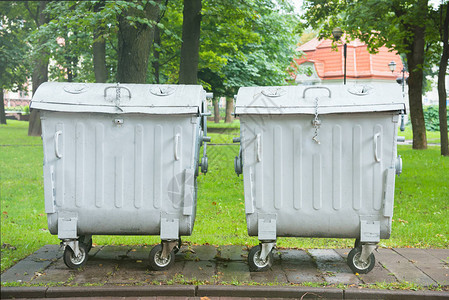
(316, 87)
(57, 153)
(259, 155)
(176, 146)
(116, 87)
(376, 155)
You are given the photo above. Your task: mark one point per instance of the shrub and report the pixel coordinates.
(431, 118)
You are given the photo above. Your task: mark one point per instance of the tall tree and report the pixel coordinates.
(442, 94)
(191, 27)
(135, 36)
(99, 46)
(13, 50)
(397, 24)
(40, 58)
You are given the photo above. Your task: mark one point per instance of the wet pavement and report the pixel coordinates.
(207, 265)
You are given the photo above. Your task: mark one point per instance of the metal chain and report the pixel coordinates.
(316, 123)
(117, 94)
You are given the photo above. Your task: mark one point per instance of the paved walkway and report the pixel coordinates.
(197, 265)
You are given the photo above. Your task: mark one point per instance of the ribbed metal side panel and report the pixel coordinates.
(99, 165)
(259, 169)
(60, 167)
(357, 167)
(377, 172)
(336, 167)
(157, 171)
(178, 172)
(278, 162)
(119, 182)
(79, 164)
(138, 166)
(317, 188)
(297, 167)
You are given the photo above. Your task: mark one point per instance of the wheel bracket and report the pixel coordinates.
(266, 249)
(367, 249)
(74, 245)
(167, 247)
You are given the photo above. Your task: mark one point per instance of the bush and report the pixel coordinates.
(431, 118)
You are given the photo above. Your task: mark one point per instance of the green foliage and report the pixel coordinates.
(14, 27)
(431, 118)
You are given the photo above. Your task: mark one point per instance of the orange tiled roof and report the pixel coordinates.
(360, 63)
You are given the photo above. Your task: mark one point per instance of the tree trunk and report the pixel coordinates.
(156, 54)
(2, 108)
(229, 109)
(134, 42)
(415, 60)
(99, 48)
(442, 95)
(191, 26)
(216, 110)
(40, 73)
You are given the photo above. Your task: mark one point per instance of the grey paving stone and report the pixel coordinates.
(112, 253)
(333, 267)
(442, 254)
(378, 274)
(129, 272)
(299, 267)
(197, 252)
(55, 273)
(232, 252)
(274, 275)
(433, 267)
(233, 271)
(158, 276)
(140, 253)
(199, 270)
(403, 269)
(93, 272)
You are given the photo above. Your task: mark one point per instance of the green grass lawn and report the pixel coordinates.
(421, 201)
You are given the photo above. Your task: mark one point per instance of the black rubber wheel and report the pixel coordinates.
(256, 264)
(75, 262)
(178, 247)
(356, 265)
(157, 263)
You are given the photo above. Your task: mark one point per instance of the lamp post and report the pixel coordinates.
(337, 33)
(399, 80)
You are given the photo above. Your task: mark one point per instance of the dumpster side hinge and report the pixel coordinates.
(169, 227)
(67, 225)
(369, 231)
(266, 227)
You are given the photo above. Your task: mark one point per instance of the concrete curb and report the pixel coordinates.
(268, 292)
(216, 291)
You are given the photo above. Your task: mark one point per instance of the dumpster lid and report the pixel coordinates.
(331, 99)
(121, 98)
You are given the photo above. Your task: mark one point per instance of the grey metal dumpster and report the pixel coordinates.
(318, 161)
(121, 159)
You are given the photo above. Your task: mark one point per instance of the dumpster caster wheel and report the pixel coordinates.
(357, 265)
(75, 262)
(257, 264)
(157, 263)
